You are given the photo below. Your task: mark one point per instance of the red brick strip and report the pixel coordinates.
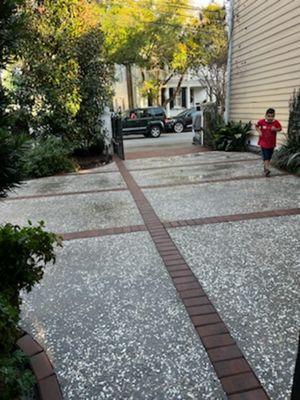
(179, 224)
(95, 191)
(42, 368)
(235, 374)
(41, 196)
(167, 152)
(243, 160)
(232, 218)
(102, 232)
(201, 182)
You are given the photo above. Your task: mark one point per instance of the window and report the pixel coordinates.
(157, 112)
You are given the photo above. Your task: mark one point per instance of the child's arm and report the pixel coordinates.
(258, 129)
(277, 127)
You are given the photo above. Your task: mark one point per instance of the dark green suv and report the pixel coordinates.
(148, 121)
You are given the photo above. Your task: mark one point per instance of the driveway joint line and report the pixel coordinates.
(231, 352)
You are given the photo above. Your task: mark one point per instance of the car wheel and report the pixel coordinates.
(178, 127)
(155, 131)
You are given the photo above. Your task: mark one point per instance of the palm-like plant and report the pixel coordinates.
(288, 155)
(232, 136)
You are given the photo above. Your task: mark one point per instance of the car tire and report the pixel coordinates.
(178, 127)
(155, 131)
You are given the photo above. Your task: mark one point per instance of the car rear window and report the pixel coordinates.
(157, 112)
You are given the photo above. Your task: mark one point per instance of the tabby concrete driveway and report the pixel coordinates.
(178, 278)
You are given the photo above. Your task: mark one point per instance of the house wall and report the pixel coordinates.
(265, 67)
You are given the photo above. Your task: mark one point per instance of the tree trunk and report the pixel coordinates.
(176, 91)
(129, 86)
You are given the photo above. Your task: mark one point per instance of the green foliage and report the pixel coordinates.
(94, 82)
(47, 157)
(288, 155)
(62, 81)
(162, 39)
(12, 149)
(24, 252)
(232, 136)
(15, 378)
(9, 318)
(12, 21)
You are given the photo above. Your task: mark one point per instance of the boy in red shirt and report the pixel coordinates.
(267, 129)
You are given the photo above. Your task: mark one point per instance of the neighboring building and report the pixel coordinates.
(190, 94)
(264, 59)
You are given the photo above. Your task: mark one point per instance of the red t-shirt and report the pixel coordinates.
(267, 139)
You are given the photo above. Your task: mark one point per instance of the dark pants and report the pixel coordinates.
(267, 153)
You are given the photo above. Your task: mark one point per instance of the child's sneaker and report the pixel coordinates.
(267, 173)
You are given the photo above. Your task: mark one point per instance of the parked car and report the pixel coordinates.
(150, 121)
(182, 121)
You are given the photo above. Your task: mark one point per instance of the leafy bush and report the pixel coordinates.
(232, 136)
(9, 317)
(15, 378)
(12, 149)
(47, 157)
(24, 252)
(94, 149)
(288, 155)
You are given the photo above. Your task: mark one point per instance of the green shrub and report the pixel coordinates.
(232, 136)
(95, 148)
(24, 252)
(15, 378)
(12, 149)
(47, 157)
(9, 317)
(288, 155)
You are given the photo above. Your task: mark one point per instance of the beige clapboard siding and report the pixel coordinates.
(265, 66)
(255, 26)
(287, 41)
(260, 14)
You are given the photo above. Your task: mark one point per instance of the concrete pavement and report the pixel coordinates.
(108, 313)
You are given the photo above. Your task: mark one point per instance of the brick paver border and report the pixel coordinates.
(42, 368)
(59, 194)
(237, 378)
(180, 223)
(204, 181)
(196, 164)
(158, 186)
(102, 232)
(166, 152)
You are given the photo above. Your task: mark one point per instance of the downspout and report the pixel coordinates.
(229, 61)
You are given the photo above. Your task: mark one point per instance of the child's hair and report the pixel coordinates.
(270, 111)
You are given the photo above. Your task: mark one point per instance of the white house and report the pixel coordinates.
(190, 94)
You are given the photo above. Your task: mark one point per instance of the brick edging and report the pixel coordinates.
(220, 180)
(196, 164)
(236, 376)
(232, 218)
(167, 152)
(62, 194)
(102, 232)
(42, 368)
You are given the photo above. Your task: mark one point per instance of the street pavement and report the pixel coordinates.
(108, 314)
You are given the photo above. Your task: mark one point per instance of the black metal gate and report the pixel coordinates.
(117, 137)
